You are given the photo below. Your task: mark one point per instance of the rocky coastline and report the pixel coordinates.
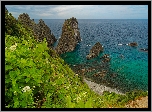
(69, 39)
(99, 89)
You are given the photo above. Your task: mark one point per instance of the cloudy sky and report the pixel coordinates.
(80, 11)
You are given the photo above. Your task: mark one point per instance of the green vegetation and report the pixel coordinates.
(35, 77)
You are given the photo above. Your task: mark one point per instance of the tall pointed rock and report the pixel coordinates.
(70, 36)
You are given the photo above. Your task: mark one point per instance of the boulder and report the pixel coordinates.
(145, 50)
(133, 44)
(101, 74)
(40, 30)
(91, 55)
(105, 58)
(70, 36)
(95, 50)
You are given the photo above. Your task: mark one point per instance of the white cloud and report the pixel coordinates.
(81, 11)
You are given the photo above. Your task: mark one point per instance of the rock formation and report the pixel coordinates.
(44, 31)
(40, 30)
(95, 50)
(133, 44)
(70, 36)
(145, 50)
(105, 58)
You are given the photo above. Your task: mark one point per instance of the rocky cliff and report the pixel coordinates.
(40, 30)
(70, 36)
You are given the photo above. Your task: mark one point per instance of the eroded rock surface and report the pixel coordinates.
(70, 36)
(95, 50)
(105, 58)
(138, 103)
(133, 44)
(40, 30)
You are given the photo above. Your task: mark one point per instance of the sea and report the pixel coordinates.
(128, 66)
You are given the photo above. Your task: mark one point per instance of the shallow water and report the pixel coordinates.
(131, 70)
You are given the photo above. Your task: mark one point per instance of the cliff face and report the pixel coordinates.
(70, 36)
(41, 30)
(44, 31)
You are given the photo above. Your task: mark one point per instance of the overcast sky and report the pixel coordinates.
(80, 11)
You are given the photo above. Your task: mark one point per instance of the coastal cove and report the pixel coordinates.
(75, 63)
(126, 73)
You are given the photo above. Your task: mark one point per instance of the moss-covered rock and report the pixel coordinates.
(70, 36)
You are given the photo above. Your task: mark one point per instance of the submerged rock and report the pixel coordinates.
(145, 50)
(40, 30)
(95, 50)
(105, 58)
(70, 36)
(101, 74)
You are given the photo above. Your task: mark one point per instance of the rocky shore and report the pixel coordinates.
(99, 89)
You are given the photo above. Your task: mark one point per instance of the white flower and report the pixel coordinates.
(47, 60)
(26, 88)
(13, 47)
(84, 94)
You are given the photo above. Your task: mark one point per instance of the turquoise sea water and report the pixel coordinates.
(131, 70)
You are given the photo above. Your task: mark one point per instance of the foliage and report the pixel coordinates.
(35, 77)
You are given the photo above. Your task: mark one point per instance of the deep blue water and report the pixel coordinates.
(132, 70)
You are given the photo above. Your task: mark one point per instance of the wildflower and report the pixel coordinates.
(47, 60)
(84, 93)
(33, 86)
(14, 92)
(78, 99)
(13, 47)
(26, 88)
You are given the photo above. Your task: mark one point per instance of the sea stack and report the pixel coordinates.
(95, 50)
(40, 30)
(70, 36)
